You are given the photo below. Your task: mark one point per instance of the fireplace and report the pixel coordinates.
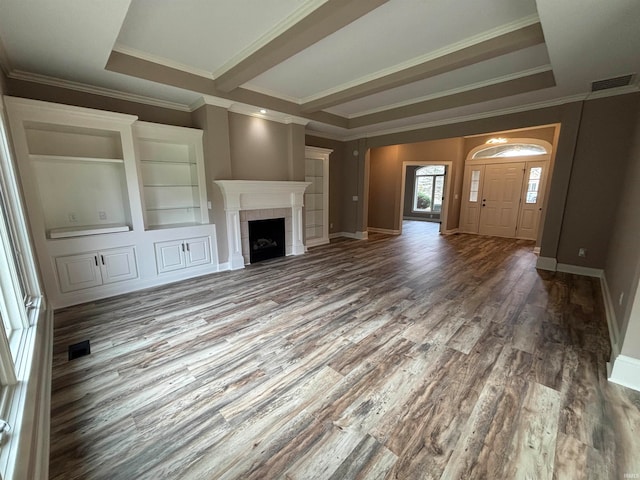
(249, 200)
(266, 239)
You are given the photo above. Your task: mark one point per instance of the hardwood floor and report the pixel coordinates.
(411, 357)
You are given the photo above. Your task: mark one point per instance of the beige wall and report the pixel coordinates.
(259, 148)
(385, 178)
(622, 265)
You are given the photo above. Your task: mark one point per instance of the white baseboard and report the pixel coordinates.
(536, 250)
(223, 267)
(578, 270)
(356, 235)
(610, 314)
(384, 230)
(547, 263)
(450, 231)
(625, 371)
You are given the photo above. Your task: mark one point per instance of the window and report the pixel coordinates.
(26, 331)
(429, 189)
(475, 186)
(510, 150)
(533, 185)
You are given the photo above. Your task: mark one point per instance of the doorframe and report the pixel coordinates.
(448, 165)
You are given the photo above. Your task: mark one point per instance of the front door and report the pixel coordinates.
(531, 203)
(501, 195)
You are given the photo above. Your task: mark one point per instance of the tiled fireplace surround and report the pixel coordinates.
(247, 216)
(246, 200)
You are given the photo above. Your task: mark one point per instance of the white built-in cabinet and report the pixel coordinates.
(179, 254)
(96, 268)
(172, 175)
(102, 189)
(316, 196)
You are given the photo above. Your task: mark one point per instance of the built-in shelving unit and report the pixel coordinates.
(316, 197)
(172, 175)
(102, 190)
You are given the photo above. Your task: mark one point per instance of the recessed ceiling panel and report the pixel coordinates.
(487, 71)
(397, 32)
(202, 34)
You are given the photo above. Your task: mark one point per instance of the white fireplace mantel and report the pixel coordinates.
(255, 195)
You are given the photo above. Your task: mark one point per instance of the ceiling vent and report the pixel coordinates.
(608, 83)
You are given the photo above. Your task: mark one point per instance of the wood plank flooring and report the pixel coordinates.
(411, 357)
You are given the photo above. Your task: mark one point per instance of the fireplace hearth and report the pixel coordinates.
(266, 239)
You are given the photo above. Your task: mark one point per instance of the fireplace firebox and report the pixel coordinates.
(266, 239)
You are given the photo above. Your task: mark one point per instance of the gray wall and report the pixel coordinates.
(600, 160)
(622, 265)
(48, 93)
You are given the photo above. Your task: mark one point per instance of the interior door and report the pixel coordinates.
(472, 196)
(532, 198)
(501, 193)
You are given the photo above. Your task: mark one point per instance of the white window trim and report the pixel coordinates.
(26, 398)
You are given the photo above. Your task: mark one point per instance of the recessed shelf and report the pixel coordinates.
(69, 158)
(81, 231)
(167, 162)
(171, 185)
(193, 207)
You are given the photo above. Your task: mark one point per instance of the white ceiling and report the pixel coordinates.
(68, 42)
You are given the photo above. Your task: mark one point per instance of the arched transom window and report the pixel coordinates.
(510, 150)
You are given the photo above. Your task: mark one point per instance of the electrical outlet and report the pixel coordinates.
(355, 198)
(73, 218)
(102, 215)
(621, 298)
(582, 252)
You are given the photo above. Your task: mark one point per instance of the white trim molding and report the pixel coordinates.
(612, 322)
(258, 195)
(625, 371)
(383, 230)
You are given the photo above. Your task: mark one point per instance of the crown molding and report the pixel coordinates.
(210, 100)
(150, 57)
(451, 48)
(271, 93)
(278, 30)
(252, 111)
(469, 118)
(105, 92)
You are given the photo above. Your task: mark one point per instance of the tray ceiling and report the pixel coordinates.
(348, 67)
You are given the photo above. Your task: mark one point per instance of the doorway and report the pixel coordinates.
(425, 190)
(503, 189)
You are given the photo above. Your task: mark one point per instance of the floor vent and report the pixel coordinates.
(79, 349)
(608, 83)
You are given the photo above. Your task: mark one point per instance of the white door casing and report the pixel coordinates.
(531, 211)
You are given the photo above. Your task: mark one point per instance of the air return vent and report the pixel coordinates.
(611, 83)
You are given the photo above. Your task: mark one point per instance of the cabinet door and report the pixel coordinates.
(170, 256)
(76, 272)
(197, 251)
(118, 264)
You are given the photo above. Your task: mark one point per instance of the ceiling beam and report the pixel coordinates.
(529, 83)
(325, 20)
(137, 67)
(485, 50)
